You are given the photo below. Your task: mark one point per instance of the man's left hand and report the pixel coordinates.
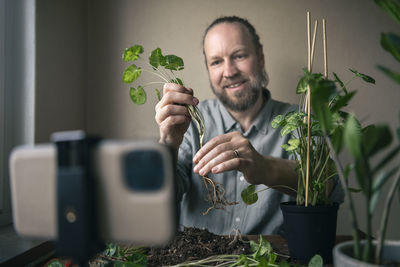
(227, 152)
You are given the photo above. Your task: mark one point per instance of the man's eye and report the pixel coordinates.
(215, 62)
(239, 56)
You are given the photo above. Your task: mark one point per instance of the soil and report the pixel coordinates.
(193, 244)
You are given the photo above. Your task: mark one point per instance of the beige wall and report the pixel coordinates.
(177, 27)
(61, 67)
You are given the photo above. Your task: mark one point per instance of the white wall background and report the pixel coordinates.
(82, 85)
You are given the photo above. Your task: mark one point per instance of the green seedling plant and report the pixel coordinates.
(294, 124)
(166, 70)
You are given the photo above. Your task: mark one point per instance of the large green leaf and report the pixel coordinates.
(321, 92)
(342, 101)
(375, 138)
(156, 58)
(391, 74)
(249, 195)
(305, 81)
(138, 96)
(132, 53)
(352, 135)
(391, 7)
(131, 74)
(365, 77)
(337, 139)
(361, 174)
(173, 62)
(386, 159)
(391, 43)
(382, 178)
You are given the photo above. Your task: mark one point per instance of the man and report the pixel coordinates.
(240, 147)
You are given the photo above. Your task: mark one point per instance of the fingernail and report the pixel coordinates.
(195, 101)
(195, 169)
(215, 170)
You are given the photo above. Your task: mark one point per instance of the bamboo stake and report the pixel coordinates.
(325, 49)
(308, 108)
(310, 57)
(311, 49)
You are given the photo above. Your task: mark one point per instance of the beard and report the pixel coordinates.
(244, 99)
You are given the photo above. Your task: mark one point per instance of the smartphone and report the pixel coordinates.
(135, 198)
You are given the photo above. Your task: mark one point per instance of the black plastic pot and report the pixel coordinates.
(310, 230)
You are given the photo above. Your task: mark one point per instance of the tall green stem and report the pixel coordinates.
(385, 218)
(356, 238)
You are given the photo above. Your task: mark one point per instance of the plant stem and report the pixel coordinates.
(158, 75)
(385, 218)
(356, 238)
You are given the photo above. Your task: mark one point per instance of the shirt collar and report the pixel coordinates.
(261, 122)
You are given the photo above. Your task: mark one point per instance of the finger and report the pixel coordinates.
(225, 150)
(171, 110)
(168, 87)
(229, 165)
(209, 165)
(210, 145)
(175, 97)
(172, 121)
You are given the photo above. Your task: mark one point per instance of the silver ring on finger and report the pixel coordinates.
(236, 153)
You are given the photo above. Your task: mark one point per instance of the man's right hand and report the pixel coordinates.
(172, 115)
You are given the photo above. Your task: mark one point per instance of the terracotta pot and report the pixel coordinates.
(310, 230)
(343, 252)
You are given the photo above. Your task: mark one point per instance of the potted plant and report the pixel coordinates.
(310, 221)
(364, 144)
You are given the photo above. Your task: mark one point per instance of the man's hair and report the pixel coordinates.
(244, 22)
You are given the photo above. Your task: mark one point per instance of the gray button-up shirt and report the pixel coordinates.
(263, 217)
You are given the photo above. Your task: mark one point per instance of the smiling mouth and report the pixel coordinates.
(234, 85)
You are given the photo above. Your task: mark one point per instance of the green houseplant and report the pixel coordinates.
(364, 144)
(310, 221)
(318, 231)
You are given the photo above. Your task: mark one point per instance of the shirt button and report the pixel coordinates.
(237, 219)
(241, 178)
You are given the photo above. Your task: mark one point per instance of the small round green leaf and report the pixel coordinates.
(249, 195)
(132, 53)
(173, 62)
(131, 74)
(156, 58)
(138, 96)
(316, 261)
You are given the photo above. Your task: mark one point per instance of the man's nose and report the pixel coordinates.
(230, 69)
